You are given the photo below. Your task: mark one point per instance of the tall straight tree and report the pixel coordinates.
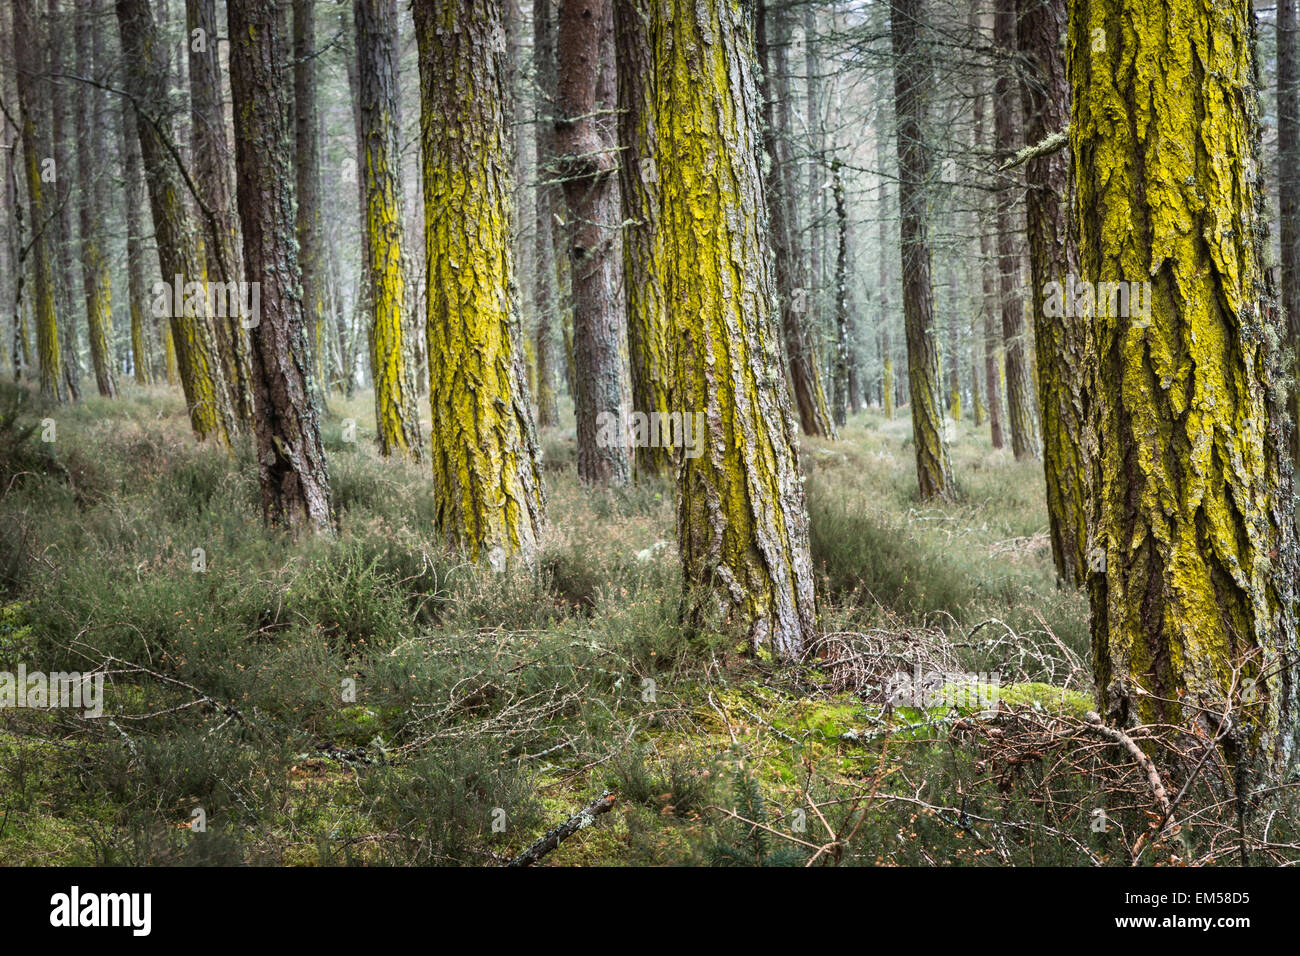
(62, 248)
(218, 234)
(310, 230)
(742, 518)
(1006, 139)
(134, 202)
(206, 393)
(397, 418)
(913, 79)
(47, 331)
(588, 166)
(1194, 576)
(487, 477)
(548, 295)
(291, 466)
(989, 312)
(1288, 189)
(772, 27)
(92, 197)
(1060, 345)
(648, 332)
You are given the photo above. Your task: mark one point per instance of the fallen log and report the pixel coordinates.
(584, 818)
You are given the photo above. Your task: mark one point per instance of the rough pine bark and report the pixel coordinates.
(912, 82)
(192, 337)
(1060, 344)
(1006, 140)
(794, 281)
(61, 249)
(92, 200)
(650, 346)
(43, 299)
(487, 478)
(988, 276)
(218, 235)
(840, 402)
(588, 163)
(1192, 572)
(1288, 190)
(291, 466)
(397, 418)
(310, 229)
(742, 517)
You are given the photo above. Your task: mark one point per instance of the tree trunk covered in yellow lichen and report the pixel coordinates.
(487, 478)
(291, 467)
(650, 347)
(913, 81)
(742, 519)
(206, 393)
(1060, 344)
(397, 418)
(47, 332)
(91, 149)
(1192, 570)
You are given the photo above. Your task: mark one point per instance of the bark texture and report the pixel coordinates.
(487, 478)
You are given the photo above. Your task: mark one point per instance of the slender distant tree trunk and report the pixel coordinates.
(742, 518)
(1193, 573)
(954, 345)
(649, 343)
(61, 190)
(47, 332)
(1006, 133)
(1060, 345)
(886, 346)
(912, 82)
(989, 302)
(206, 393)
(547, 298)
(396, 412)
(487, 479)
(816, 158)
(133, 187)
(218, 236)
(92, 148)
(1288, 164)
(291, 465)
(311, 240)
(841, 400)
(794, 283)
(588, 166)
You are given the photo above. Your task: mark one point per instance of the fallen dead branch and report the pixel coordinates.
(584, 818)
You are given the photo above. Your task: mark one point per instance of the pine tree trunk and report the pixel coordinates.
(142, 333)
(912, 80)
(588, 167)
(649, 343)
(887, 384)
(794, 283)
(217, 233)
(487, 479)
(47, 332)
(1288, 190)
(1060, 346)
(397, 418)
(547, 295)
(742, 519)
(192, 337)
(292, 472)
(1193, 577)
(92, 148)
(988, 275)
(61, 193)
(841, 391)
(1006, 140)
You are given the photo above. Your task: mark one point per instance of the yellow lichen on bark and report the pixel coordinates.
(487, 479)
(1192, 564)
(742, 520)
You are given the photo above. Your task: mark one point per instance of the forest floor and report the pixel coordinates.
(373, 699)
